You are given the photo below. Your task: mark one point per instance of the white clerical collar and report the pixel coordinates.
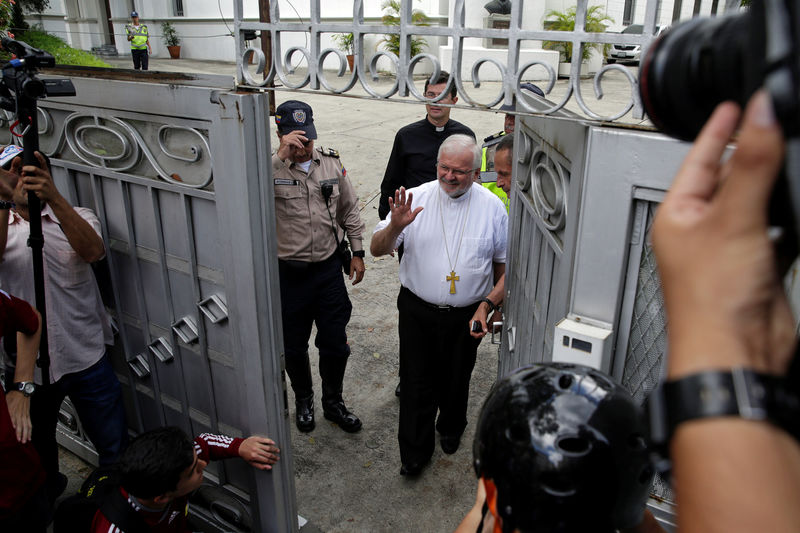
(440, 128)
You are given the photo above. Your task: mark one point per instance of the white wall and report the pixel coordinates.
(205, 36)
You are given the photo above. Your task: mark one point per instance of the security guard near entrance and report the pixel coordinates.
(488, 173)
(315, 204)
(139, 38)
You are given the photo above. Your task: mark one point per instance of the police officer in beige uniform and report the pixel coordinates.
(315, 204)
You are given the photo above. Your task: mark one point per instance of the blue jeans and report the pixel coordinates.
(97, 396)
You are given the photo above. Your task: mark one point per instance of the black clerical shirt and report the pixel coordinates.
(413, 158)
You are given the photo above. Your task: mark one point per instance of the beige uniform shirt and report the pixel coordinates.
(305, 229)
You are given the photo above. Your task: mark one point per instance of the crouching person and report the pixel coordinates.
(560, 448)
(161, 468)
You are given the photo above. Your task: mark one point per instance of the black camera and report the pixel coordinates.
(698, 64)
(19, 75)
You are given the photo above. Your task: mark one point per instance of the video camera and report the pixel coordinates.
(19, 75)
(698, 64)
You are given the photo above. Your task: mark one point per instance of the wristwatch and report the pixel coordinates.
(737, 392)
(25, 387)
(492, 306)
(358, 253)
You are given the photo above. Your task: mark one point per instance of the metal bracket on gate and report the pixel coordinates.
(140, 366)
(215, 308)
(68, 421)
(497, 329)
(162, 350)
(186, 330)
(512, 332)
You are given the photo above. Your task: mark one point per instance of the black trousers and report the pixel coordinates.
(96, 394)
(315, 293)
(140, 59)
(437, 355)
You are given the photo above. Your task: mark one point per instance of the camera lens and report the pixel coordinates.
(695, 66)
(33, 88)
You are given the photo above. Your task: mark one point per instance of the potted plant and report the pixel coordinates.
(345, 43)
(171, 39)
(596, 22)
(391, 17)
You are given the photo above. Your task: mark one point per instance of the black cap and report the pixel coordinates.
(295, 115)
(530, 87)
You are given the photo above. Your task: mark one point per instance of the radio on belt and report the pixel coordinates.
(575, 341)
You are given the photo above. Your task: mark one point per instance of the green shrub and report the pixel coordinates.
(391, 17)
(345, 42)
(169, 34)
(64, 54)
(596, 21)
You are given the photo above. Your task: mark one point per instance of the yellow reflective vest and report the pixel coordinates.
(140, 36)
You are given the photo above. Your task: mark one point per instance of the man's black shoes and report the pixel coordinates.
(412, 469)
(304, 414)
(450, 443)
(397, 390)
(338, 413)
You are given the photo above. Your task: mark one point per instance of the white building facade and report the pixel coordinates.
(206, 26)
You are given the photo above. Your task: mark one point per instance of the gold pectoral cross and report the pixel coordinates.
(452, 278)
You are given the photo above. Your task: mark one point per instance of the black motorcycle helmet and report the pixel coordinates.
(564, 448)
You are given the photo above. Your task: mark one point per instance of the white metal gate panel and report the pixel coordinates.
(586, 222)
(180, 179)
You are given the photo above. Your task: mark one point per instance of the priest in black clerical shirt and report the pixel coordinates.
(413, 159)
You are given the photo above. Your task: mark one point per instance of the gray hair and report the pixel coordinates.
(458, 143)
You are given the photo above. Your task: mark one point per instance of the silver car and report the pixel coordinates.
(629, 52)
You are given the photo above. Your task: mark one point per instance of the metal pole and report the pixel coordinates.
(26, 113)
(266, 47)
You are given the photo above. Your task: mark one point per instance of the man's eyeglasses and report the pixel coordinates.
(431, 95)
(457, 172)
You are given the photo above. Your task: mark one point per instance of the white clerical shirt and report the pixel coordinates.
(425, 267)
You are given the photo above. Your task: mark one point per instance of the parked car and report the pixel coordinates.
(629, 52)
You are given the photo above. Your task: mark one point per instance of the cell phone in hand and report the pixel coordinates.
(476, 326)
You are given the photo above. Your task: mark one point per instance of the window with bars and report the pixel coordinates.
(178, 7)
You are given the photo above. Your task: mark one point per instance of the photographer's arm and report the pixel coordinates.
(8, 182)
(726, 308)
(19, 406)
(81, 235)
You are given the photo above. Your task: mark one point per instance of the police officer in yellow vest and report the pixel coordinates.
(488, 173)
(139, 38)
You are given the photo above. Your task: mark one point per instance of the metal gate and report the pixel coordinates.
(179, 177)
